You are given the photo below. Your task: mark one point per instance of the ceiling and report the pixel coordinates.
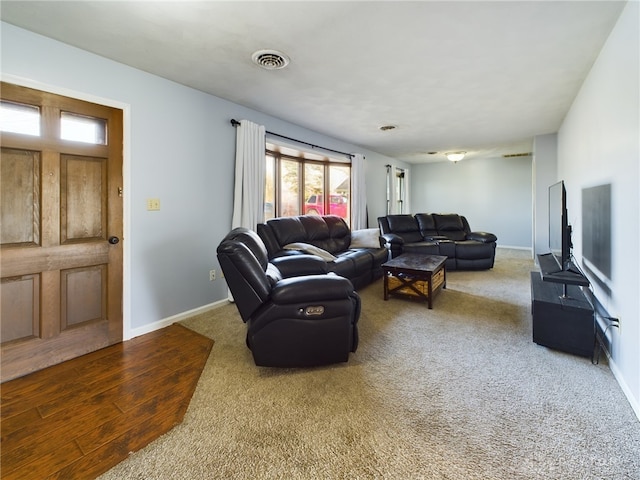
(482, 77)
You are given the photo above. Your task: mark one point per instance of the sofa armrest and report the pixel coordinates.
(297, 265)
(483, 237)
(311, 288)
(393, 239)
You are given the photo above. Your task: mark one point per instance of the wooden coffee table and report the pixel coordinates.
(415, 276)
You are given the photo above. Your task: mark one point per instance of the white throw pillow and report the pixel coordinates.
(365, 238)
(310, 249)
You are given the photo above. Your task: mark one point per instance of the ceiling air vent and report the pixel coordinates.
(270, 59)
(511, 155)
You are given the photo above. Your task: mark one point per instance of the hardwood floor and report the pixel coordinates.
(80, 418)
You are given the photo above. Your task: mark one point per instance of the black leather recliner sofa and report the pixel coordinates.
(297, 314)
(439, 234)
(358, 260)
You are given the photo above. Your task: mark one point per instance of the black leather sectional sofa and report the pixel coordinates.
(439, 234)
(348, 254)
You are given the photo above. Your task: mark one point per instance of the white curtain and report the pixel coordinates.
(359, 193)
(407, 194)
(397, 197)
(248, 199)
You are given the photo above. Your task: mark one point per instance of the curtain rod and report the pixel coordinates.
(235, 123)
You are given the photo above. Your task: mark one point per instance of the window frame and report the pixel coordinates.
(302, 158)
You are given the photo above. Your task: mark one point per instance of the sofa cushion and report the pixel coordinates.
(315, 227)
(447, 222)
(450, 225)
(421, 248)
(447, 248)
(402, 223)
(288, 230)
(339, 234)
(361, 261)
(472, 250)
(427, 225)
(406, 226)
(270, 241)
(343, 266)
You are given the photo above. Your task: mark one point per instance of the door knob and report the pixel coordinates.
(113, 240)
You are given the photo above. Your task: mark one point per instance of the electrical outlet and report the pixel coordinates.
(212, 275)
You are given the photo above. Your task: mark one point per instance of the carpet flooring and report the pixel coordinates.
(457, 392)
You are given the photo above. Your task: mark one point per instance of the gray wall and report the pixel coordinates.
(495, 194)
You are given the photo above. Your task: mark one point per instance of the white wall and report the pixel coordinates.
(180, 148)
(494, 194)
(599, 143)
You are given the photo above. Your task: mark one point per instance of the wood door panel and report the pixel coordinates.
(20, 297)
(83, 295)
(83, 209)
(19, 197)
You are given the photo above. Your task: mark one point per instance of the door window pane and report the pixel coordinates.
(19, 118)
(80, 128)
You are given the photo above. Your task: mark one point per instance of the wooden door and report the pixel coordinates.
(60, 230)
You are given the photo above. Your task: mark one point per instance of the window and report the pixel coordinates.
(397, 182)
(19, 118)
(400, 190)
(305, 183)
(80, 128)
(25, 119)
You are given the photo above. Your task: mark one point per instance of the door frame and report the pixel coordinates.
(127, 331)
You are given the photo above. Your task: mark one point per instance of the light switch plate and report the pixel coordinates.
(153, 204)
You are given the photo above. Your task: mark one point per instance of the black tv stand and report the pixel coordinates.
(563, 318)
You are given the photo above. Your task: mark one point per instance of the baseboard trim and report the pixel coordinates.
(165, 322)
(511, 247)
(625, 388)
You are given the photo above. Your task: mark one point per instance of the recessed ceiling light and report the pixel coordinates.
(385, 128)
(270, 59)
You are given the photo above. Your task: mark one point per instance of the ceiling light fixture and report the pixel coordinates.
(270, 59)
(455, 156)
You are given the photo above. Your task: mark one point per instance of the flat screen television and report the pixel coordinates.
(559, 228)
